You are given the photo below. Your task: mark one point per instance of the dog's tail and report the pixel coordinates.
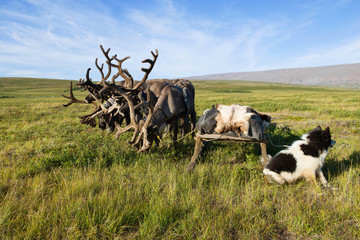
(262, 160)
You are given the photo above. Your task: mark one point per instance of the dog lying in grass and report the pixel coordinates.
(303, 159)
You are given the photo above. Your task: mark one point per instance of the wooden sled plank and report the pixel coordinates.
(222, 138)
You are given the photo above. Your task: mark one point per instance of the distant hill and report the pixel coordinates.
(346, 75)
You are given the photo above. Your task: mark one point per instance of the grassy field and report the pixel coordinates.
(61, 179)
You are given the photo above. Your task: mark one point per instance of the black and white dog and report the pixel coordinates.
(303, 159)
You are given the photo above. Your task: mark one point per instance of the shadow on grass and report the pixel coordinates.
(335, 168)
(182, 149)
(279, 137)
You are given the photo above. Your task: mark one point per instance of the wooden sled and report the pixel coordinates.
(200, 147)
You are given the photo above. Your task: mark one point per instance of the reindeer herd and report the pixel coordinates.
(150, 107)
(154, 107)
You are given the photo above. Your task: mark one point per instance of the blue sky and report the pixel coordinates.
(61, 38)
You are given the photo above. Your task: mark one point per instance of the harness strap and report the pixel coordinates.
(281, 146)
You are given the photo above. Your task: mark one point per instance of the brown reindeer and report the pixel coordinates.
(168, 110)
(149, 105)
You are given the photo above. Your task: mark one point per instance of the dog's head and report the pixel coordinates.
(321, 139)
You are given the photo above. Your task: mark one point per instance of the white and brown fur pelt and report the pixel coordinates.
(235, 118)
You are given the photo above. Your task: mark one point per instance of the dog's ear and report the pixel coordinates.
(327, 130)
(318, 128)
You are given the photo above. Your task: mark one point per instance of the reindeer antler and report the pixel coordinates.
(108, 62)
(88, 83)
(89, 118)
(133, 123)
(144, 128)
(124, 73)
(72, 98)
(147, 70)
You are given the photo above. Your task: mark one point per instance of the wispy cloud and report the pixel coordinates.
(341, 53)
(192, 45)
(60, 39)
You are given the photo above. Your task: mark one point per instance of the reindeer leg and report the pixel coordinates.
(157, 141)
(182, 127)
(121, 121)
(185, 125)
(176, 127)
(193, 122)
(127, 119)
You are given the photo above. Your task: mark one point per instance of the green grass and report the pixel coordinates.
(61, 179)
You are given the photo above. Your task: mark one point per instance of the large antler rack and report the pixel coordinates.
(124, 73)
(129, 95)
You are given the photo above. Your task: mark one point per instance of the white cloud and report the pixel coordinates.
(61, 39)
(193, 46)
(342, 53)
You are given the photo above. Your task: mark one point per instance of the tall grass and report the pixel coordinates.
(61, 179)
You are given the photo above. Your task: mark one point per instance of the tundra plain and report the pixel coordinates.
(60, 179)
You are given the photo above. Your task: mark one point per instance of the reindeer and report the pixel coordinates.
(170, 107)
(98, 93)
(108, 120)
(155, 87)
(174, 102)
(166, 102)
(189, 97)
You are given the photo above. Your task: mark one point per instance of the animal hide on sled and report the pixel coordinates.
(235, 120)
